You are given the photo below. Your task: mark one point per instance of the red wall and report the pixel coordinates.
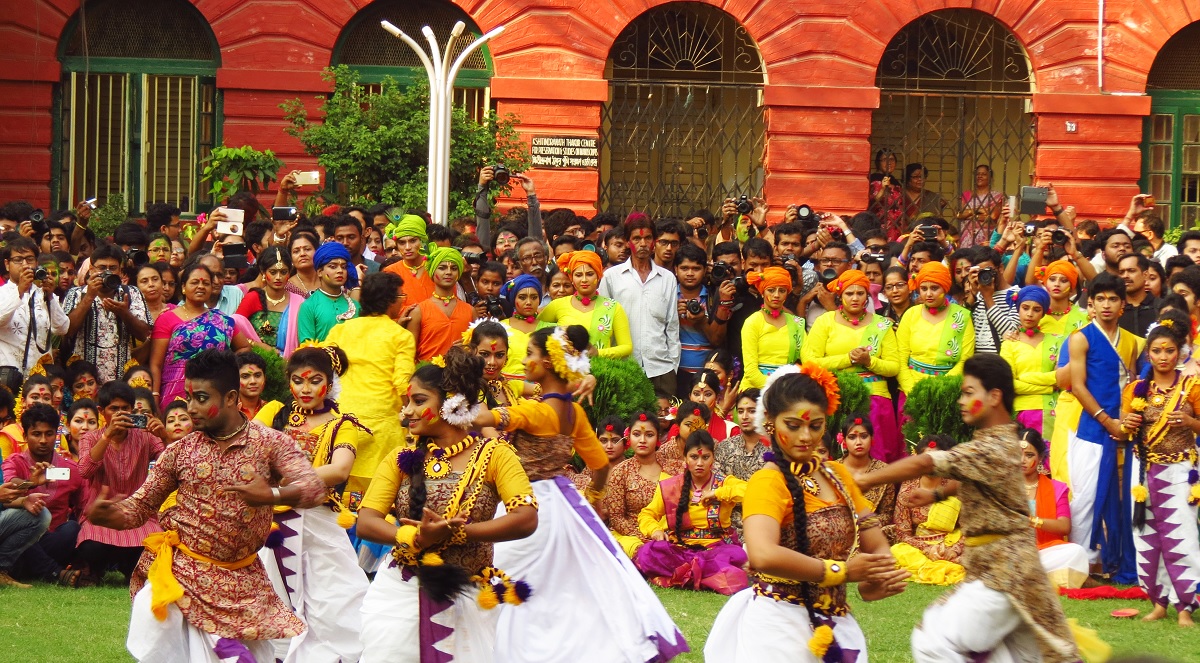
(820, 57)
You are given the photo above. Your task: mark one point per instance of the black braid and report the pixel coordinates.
(416, 484)
(799, 522)
(685, 496)
(447, 581)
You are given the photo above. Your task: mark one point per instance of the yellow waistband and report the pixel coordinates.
(164, 587)
(982, 540)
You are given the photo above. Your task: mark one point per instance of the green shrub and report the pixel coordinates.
(932, 407)
(622, 388)
(276, 388)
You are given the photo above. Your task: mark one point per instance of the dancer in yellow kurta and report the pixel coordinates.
(524, 295)
(853, 338)
(773, 336)
(1062, 316)
(604, 318)
(1033, 356)
(936, 337)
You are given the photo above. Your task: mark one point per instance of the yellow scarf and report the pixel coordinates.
(164, 588)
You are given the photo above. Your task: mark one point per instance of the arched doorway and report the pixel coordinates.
(373, 53)
(1171, 144)
(683, 126)
(138, 104)
(955, 92)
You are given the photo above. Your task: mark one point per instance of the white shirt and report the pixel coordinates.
(14, 325)
(652, 312)
(1165, 253)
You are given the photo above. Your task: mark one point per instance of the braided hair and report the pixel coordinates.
(780, 397)
(1174, 332)
(700, 438)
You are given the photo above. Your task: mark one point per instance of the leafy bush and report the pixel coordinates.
(856, 399)
(622, 388)
(932, 407)
(376, 143)
(233, 169)
(108, 216)
(276, 388)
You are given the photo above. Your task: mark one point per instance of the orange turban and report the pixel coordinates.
(1063, 267)
(567, 262)
(934, 272)
(770, 277)
(850, 277)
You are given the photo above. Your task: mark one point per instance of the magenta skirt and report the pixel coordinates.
(718, 567)
(888, 444)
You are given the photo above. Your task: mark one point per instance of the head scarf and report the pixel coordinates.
(934, 272)
(409, 225)
(567, 262)
(1034, 293)
(770, 277)
(330, 251)
(441, 254)
(510, 289)
(850, 277)
(1065, 268)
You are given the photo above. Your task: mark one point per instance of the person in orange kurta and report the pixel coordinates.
(440, 320)
(409, 234)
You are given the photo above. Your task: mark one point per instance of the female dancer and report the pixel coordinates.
(273, 310)
(82, 418)
(929, 542)
(1062, 316)
(693, 543)
(857, 438)
(773, 336)
(936, 337)
(613, 435)
(312, 564)
(488, 339)
(1161, 413)
(853, 338)
(1066, 563)
(1033, 356)
(704, 391)
(177, 420)
(802, 519)
(524, 295)
(610, 600)
(721, 363)
(604, 318)
(632, 483)
(442, 490)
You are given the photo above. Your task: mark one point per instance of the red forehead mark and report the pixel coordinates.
(804, 415)
(305, 374)
(493, 346)
(976, 406)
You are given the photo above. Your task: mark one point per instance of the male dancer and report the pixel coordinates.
(205, 594)
(1006, 604)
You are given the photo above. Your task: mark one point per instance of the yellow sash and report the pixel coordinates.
(164, 588)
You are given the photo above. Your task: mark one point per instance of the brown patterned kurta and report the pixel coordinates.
(993, 495)
(629, 492)
(733, 459)
(884, 499)
(240, 603)
(906, 527)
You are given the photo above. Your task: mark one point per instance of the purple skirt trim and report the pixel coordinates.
(586, 513)
(228, 648)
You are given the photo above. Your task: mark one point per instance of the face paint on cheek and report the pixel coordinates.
(212, 411)
(322, 391)
(976, 407)
(429, 415)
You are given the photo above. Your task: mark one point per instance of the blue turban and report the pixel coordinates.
(1036, 294)
(513, 286)
(330, 251)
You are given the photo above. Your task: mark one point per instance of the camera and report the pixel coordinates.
(836, 233)
(805, 215)
(1059, 237)
(827, 276)
(37, 219)
(740, 283)
(138, 257)
(872, 258)
(284, 213)
(474, 257)
(987, 276)
(1030, 229)
(138, 419)
(929, 232)
(494, 308)
(694, 307)
(721, 272)
(110, 281)
(788, 257)
(40, 274)
(744, 206)
(500, 174)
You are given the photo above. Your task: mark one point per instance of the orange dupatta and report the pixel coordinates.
(1047, 509)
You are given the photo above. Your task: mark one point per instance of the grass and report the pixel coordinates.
(51, 624)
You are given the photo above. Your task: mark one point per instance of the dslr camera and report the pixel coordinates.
(37, 219)
(494, 308)
(40, 274)
(986, 276)
(694, 307)
(744, 206)
(500, 174)
(720, 272)
(110, 281)
(1059, 237)
(474, 257)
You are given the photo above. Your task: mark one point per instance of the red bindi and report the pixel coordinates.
(305, 374)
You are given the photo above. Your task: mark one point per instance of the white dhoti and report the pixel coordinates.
(1083, 466)
(174, 640)
(974, 620)
(1066, 565)
(316, 572)
(391, 624)
(757, 629)
(589, 603)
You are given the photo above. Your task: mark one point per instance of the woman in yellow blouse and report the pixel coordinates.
(310, 559)
(1062, 316)
(799, 517)
(604, 318)
(854, 338)
(1033, 355)
(524, 295)
(693, 543)
(488, 340)
(773, 336)
(936, 337)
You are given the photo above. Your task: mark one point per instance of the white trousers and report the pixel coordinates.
(1083, 466)
(756, 629)
(974, 619)
(174, 640)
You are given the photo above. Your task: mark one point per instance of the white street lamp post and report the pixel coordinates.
(441, 102)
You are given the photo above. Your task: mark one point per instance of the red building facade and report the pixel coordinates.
(689, 101)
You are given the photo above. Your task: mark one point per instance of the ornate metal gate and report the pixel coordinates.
(955, 94)
(683, 127)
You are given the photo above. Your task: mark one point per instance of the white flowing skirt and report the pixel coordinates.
(316, 573)
(174, 640)
(1066, 565)
(589, 603)
(974, 619)
(391, 622)
(757, 629)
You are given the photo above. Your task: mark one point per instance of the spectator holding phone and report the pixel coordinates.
(23, 520)
(988, 295)
(980, 210)
(887, 197)
(116, 460)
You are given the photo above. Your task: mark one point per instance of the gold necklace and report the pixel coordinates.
(274, 302)
(447, 300)
(223, 438)
(437, 460)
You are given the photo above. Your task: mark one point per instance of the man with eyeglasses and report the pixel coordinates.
(532, 255)
(29, 311)
(835, 257)
(669, 234)
(163, 218)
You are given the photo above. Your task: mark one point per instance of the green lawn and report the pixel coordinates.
(50, 624)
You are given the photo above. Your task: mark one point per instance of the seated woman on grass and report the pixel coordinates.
(927, 539)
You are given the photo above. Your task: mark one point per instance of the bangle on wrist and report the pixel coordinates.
(835, 573)
(275, 494)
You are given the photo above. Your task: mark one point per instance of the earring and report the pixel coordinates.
(769, 428)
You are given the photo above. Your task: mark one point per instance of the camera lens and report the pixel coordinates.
(828, 276)
(111, 282)
(37, 216)
(494, 308)
(694, 307)
(720, 272)
(500, 174)
(40, 274)
(987, 276)
(744, 206)
(1058, 237)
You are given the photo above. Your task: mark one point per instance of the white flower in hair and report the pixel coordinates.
(466, 337)
(760, 412)
(577, 362)
(335, 387)
(457, 411)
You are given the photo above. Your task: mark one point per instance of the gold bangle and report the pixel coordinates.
(835, 573)
(458, 535)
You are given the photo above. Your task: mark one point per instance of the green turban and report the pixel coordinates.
(409, 225)
(441, 254)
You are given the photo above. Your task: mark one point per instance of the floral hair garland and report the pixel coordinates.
(568, 363)
(827, 380)
(458, 412)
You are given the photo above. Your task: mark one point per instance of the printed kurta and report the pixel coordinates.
(829, 344)
(607, 324)
(629, 492)
(766, 347)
